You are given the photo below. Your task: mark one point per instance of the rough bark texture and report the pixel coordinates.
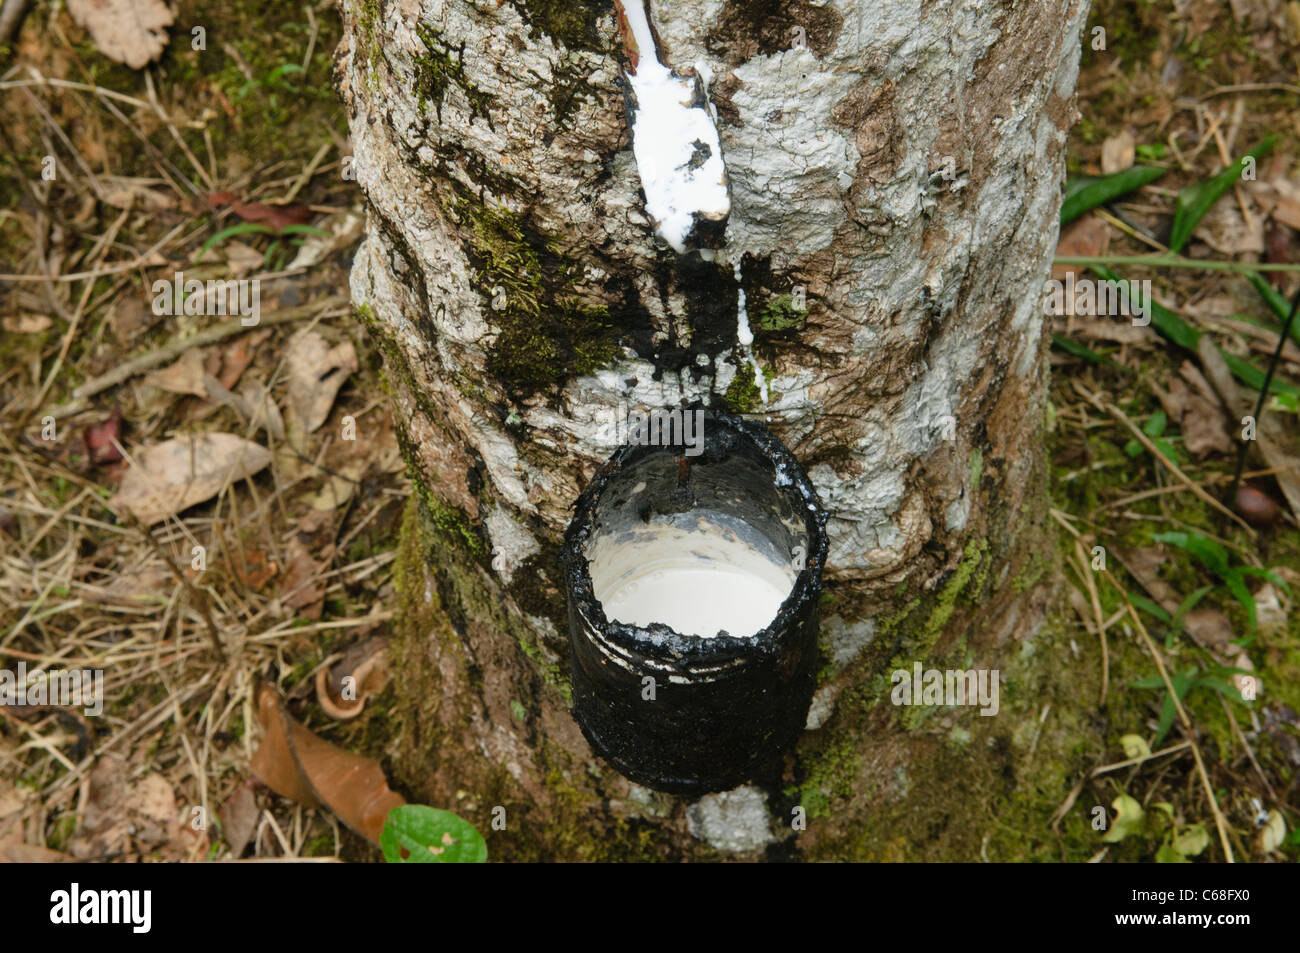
(896, 163)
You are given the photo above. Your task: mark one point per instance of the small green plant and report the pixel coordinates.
(1155, 429)
(1177, 844)
(417, 834)
(1195, 200)
(1214, 556)
(1214, 678)
(276, 252)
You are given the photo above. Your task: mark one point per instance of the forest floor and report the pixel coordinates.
(263, 585)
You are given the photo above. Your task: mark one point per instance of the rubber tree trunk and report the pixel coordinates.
(895, 167)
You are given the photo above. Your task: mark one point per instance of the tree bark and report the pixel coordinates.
(894, 164)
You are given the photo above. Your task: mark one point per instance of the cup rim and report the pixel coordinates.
(711, 657)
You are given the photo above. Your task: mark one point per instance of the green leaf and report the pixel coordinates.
(1182, 683)
(1212, 554)
(1083, 192)
(1076, 349)
(1135, 746)
(1165, 449)
(1162, 319)
(1192, 841)
(1237, 586)
(242, 229)
(1222, 687)
(1155, 425)
(1268, 574)
(302, 230)
(1168, 854)
(1153, 152)
(428, 835)
(1195, 200)
(1188, 604)
(1253, 377)
(1128, 819)
(1150, 608)
(1274, 298)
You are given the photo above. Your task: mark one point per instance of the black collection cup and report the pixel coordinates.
(678, 712)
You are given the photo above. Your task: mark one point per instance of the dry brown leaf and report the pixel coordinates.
(1117, 153)
(255, 569)
(26, 324)
(169, 477)
(18, 809)
(238, 355)
(133, 32)
(273, 216)
(1208, 628)
(316, 372)
(1087, 237)
(128, 816)
(1204, 428)
(242, 259)
(127, 193)
(367, 665)
(339, 487)
(296, 764)
(133, 587)
(1225, 230)
(183, 377)
(131, 316)
(302, 588)
(239, 818)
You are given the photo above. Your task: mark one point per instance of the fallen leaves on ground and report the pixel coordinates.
(366, 665)
(1205, 430)
(301, 586)
(239, 818)
(276, 217)
(26, 324)
(126, 193)
(174, 475)
(183, 377)
(255, 568)
(127, 817)
(316, 372)
(18, 825)
(1117, 153)
(236, 357)
(295, 763)
(133, 32)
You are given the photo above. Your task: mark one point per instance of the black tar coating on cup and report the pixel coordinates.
(725, 707)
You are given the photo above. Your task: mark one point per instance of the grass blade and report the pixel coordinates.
(1195, 200)
(1083, 192)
